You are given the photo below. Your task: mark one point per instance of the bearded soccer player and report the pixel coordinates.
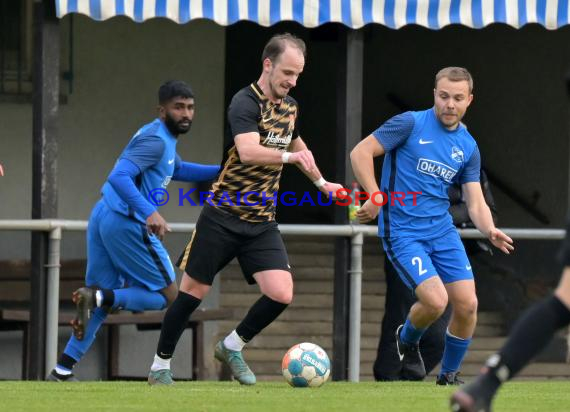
(127, 265)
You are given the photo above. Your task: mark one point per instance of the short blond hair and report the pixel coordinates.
(455, 74)
(277, 44)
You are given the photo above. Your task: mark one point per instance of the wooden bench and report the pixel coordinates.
(15, 282)
(20, 319)
(15, 314)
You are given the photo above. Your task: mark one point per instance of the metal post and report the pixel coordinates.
(349, 133)
(44, 172)
(341, 303)
(355, 307)
(52, 314)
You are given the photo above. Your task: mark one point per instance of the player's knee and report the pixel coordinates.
(432, 310)
(468, 308)
(279, 290)
(473, 305)
(284, 295)
(436, 305)
(440, 306)
(197, 289)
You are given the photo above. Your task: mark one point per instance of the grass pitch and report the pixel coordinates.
(267, 397)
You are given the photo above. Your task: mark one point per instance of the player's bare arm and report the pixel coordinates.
(481, 216)
(251, 152)
(362, 160)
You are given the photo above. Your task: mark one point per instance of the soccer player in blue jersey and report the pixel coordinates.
(425, 152)
(127, 265)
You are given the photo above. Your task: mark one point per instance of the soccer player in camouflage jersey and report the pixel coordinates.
(240, 220)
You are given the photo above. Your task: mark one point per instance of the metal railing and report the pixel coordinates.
(355, 232)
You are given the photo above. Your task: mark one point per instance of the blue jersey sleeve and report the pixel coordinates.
(144, 151)
(122, 179)
(194, 172)
(177, 161)
(395, 131)
(472, 170)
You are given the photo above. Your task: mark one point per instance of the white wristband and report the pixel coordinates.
(320, 182)
(285, 157)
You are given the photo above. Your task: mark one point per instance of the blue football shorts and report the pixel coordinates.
(416, 260)
(121, 251)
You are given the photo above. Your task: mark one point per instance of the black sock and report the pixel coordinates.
(108, 298)
(260, 315)
(174, 323)
(530, 334)
(66, 361)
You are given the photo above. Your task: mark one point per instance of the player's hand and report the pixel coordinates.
(156, 225)
(1, 171)
(303, 159)
(501, 241)
(331, 188)
(367, 212)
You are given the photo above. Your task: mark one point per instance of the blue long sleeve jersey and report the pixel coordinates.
(422, 156)
(149, 161)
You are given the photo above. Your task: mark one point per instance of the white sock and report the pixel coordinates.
(160, 363)
(62, 371)
(98, 298)
(234, 342)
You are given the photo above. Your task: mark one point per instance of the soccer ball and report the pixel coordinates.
(306, 364)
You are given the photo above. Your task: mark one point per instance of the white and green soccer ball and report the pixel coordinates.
(306, 365)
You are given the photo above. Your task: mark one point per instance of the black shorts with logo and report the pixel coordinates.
(221, 236)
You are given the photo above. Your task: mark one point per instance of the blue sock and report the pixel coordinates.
(138, 299)
(410, 334)
(77, 348)
(453, 354)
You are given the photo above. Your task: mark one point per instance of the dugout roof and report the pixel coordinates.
(433, 14)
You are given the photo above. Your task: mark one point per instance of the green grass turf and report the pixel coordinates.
(267, 397)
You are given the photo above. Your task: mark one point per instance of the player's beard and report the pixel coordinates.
(175, 127)
(454, 123)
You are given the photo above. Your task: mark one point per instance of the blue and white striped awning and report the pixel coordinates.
(433, 14)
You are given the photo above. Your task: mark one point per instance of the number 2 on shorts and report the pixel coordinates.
(417, 260)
